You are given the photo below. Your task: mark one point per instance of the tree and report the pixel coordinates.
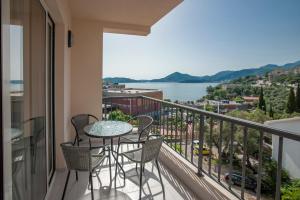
(291, 104)
(253, 135)
(262, 102)
(298, 98)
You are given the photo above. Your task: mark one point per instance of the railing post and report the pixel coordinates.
(176, 127)
(211, 126)
(258, 189)
(160, 120)
(168, 108)
(193, 135)
(200, 151)
(220, 150)
(186, 133)
(172, 124)
(279, 168)
(181, 127)
(244, 162)
(231, 154)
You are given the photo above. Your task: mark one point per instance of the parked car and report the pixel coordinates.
(236, 179)
(205, 150)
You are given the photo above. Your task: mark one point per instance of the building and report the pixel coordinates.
(281, 71)
(291, 149)
(132, 106)
(250, 99)
(114, 86)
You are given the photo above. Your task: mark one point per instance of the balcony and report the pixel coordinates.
(187, 130)
(187, 172)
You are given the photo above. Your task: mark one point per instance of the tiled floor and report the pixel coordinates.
(152, 189)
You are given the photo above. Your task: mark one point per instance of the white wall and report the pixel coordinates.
(291, 149)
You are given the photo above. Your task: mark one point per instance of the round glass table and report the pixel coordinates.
(109, 130)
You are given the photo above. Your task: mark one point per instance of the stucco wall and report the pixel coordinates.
(291, 149)
(86, 71)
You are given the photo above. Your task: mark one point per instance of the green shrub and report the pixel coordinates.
(118, 115)
(291, 191)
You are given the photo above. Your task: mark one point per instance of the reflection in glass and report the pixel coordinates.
(28, 99)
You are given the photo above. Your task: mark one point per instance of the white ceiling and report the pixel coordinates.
(135, 12)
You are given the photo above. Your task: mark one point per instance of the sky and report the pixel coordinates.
(203, 37)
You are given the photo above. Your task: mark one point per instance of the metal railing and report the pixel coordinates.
(201, 136)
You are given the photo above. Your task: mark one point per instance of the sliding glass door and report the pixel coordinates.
(31, 95)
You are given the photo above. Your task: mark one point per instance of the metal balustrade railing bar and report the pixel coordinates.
(260, 149)
(168, 109)
(193, 135)
(181, 127)
(163, 113)
(211, 126)
(200, 148)
(231, 154)
(176, 127)
(160, 119)
(187, 133)
(172, 124)
(279, 168)
(244, 162)
(163, 118)
(220, 151)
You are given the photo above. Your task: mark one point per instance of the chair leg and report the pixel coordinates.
(158, 169)
(92, 188)
(141, 180)
(66, 184)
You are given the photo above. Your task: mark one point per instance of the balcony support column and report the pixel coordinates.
(86, 70)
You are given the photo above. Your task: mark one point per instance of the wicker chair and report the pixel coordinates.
(79, 122)
(149, 152)
(143, 129)
(81, 159)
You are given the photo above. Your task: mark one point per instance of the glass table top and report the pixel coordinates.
(107, 129)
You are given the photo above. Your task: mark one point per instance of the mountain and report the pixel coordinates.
(177, 77)
(120, 80)
(218, 77)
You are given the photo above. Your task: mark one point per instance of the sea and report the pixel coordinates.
(176, 91)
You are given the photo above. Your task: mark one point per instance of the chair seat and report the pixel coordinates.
(134, 155)
(132, 137)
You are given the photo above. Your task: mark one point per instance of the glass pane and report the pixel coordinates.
(28, 99)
